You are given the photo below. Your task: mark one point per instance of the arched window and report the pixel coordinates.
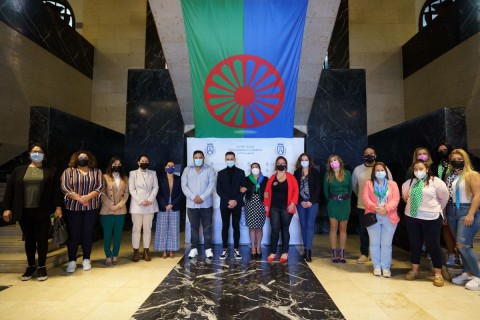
(63, 9)
(431, 9)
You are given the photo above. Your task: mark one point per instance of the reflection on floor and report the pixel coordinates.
(118, 292)
(239, 289)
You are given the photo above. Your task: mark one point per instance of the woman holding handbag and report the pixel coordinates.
(381, 197)
(114, 199)
(32, 194)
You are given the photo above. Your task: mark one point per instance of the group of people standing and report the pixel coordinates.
(442, 199)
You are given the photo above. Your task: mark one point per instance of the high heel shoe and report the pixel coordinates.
(271, 257)
(342, 256)
(308, 258)
(334, 256)
(284, 258)
(164, 255)
(172, 255)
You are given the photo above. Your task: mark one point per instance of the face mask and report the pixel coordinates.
(170, 170)
(280, 167)
(335, 164)
(37, 156)
(230, 163)
(198, 162)
(420, 174)
(442, 154)
(144, 166)
(457, 164)
(369, 158)
(116, 168)
(422, 157)
(255, 171)
(380, 175)
(82, 162)
(305, 163)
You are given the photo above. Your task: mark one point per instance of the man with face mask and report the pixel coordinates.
(229, 182)
(198, 185)
(360, 175)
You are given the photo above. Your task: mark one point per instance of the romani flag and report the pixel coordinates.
(244, 60)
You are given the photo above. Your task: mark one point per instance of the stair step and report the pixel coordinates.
(16, 262)
(13, 230)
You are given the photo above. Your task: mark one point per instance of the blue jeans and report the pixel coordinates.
(464, 235)
(363, 233)
(381, 236)
(307, 222)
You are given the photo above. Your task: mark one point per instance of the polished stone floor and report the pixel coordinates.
(240, 289)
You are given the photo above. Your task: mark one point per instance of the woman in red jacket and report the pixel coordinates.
(281, 197)
(381, 197)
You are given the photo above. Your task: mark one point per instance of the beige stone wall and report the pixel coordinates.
(116, 28)
(453, 79)
(32, 76)
(377, 31)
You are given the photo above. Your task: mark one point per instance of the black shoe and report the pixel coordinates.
(224, 254)
(308, 258)
(42, 274)
(304, 254)
(28, 273)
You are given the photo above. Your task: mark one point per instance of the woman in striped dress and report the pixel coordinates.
(82, 184)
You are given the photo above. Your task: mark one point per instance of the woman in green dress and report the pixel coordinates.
(338, 188)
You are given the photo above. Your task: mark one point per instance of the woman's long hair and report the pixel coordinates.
(468, 171)
(331, 173)
(108, 171)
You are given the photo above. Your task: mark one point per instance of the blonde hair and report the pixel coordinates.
(468, 171)
(331, 173)
(429, 161)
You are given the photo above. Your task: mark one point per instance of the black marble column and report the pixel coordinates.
(154, 57)
(339, 48)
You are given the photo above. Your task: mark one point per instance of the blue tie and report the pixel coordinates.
(457, 193)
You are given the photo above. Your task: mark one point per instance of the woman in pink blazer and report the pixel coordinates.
(381, 197)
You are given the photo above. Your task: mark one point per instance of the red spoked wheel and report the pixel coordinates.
(244, 91)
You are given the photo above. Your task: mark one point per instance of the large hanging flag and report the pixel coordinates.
(244, 60)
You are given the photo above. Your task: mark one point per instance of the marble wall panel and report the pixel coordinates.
(154, 57)
(338, 49)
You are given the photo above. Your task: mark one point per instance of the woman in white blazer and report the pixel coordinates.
(143, 186)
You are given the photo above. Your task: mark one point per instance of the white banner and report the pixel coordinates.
(263, 151)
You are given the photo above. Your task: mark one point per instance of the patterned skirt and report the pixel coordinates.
(255, 212)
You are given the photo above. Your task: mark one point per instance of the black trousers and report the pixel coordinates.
(280, 222)
(425, 230)
(235, 213)
(35, 232)
(80, 227)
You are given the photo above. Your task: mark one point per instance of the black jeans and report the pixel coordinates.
(196, 216)
(80, 227)
(363, 233)
(235, 213)
(425, 230)
(35, 232)
(280, 221)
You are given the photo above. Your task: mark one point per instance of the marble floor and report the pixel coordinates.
(123, 291)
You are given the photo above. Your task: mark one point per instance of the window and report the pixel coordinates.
(431, 9)
(63, 9)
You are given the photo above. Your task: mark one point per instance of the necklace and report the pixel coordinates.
(35, 170)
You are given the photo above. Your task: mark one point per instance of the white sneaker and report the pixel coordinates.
(377, 272)
(71, 266)
(209, 253)
(363, 258)
(193, 253)
(473, 284)
(87, 265)
(387, 273)
(462, 279)
(237, 254)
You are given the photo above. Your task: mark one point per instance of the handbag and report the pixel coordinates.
(369, 219)
(60, 234)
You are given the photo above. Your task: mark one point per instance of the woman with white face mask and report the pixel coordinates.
(254, 189)
(426, 197)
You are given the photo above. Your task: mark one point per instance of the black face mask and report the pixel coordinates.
(82, 162)
(280, 167)
(442, 154)
(144, 166)
(116, 168)
(369, 158)
(457, 164)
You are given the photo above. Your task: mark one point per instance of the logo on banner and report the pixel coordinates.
(281, 149)
(210, 149)
(244, 91)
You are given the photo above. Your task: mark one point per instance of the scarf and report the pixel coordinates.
(441, 169)
(416, 197)
(381, 190)
(255, 182)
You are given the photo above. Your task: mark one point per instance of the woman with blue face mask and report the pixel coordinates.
(32, 194)
(426, 197)
(169, 197)
(381, 197)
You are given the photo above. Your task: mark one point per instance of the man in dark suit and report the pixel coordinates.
(229, 182)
